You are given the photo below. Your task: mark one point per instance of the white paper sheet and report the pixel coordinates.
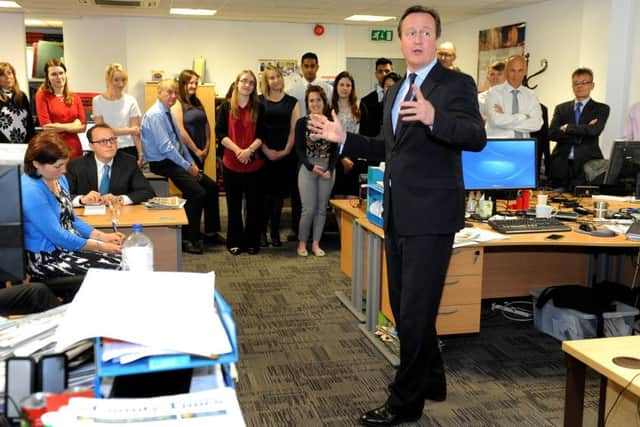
(166, 310)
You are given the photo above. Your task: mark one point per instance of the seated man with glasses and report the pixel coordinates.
(576, 126)
(104, 173)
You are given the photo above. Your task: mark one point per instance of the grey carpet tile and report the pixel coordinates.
(304, 362)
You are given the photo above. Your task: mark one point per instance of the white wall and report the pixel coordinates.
(89, 45)
(553, 31)
(14, 41)
(146, 44)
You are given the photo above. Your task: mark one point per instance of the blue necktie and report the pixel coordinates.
(577, 112)
(104, 181)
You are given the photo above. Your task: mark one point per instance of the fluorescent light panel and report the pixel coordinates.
(369, 18)
(42, 23)
(196, 12)
(10, 4)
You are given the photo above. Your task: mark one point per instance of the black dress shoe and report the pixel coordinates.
(253, 251)
(384, 416)
(192, 248)
(275, 240)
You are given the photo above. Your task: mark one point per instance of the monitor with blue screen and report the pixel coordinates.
(503, 164)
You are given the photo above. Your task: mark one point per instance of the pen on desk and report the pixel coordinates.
(114, 227)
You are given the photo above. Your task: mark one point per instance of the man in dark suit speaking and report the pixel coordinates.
(422, 139)
(104, 173)
(576, 126)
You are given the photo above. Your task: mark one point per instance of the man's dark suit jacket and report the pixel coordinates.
(370, 123)
(423, 164)
(582, 136)
(126, 177)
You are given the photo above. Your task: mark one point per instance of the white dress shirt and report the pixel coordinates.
(100, 167)
(299, 88)
(505, 124)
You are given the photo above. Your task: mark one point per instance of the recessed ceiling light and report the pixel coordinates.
(369, 18)
(197, 12)
(42, 23)
(10, 4)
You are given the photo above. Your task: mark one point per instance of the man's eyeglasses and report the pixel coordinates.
(582, 82)
(107, 141)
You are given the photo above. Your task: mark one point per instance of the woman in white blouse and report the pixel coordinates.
(120, 111)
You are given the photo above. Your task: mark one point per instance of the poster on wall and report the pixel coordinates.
(289, 67)
(498, 44)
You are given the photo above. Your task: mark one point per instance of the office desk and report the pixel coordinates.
(598, 355)
(497, 269)
(353, 252)
(162, 226)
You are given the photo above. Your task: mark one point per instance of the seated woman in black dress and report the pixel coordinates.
(58, 243)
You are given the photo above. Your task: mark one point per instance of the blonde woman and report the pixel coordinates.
(120, 111)
(16, 122)
(60, 110)
(281, 114)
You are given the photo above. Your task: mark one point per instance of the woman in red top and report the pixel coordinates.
(240, 128)
(58, 109)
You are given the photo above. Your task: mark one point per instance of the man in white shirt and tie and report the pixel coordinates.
(309, 65)
(576, 126)
(513, 111)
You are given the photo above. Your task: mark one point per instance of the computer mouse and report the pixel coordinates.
(588, 227)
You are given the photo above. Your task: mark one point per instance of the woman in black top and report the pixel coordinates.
(281, 114)
(16, 121)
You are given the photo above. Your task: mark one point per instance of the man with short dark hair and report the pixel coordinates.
(105, 172)
(310, 66)
(428, 119)
(576, 126)
(372, 120)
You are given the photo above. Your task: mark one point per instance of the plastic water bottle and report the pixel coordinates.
(137, 251)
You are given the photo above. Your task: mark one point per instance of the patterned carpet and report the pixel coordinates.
(304, 362)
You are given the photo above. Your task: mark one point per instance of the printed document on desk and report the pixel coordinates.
(166, 310)
(217, 407)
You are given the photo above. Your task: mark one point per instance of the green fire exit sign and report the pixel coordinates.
(381, 35)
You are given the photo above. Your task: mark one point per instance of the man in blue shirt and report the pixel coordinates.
(168, 156)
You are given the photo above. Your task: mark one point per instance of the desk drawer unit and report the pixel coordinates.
(460, 304)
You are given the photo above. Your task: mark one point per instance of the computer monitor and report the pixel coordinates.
(503, 164)
(624, 167)
(11, 234)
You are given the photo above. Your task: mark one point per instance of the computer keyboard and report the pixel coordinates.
(528, 225)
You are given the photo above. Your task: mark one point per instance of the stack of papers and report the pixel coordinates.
(217, 407)
(173, 202)
(147, 308)
(472, 236)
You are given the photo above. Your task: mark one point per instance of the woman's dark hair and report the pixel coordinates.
(45, 148)
(323, 95)
(183, 96)
(393, 76)
(353, 99)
